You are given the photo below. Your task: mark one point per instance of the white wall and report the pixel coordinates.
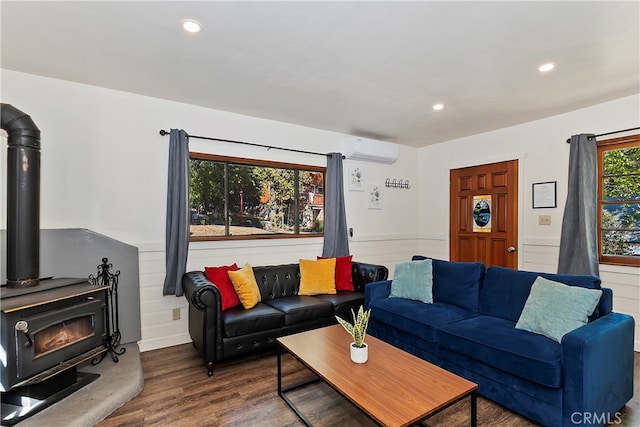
(543, 156)
(104, 167)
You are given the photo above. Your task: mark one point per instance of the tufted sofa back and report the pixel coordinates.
(277, 281)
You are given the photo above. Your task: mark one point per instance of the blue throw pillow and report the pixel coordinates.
(413, 280)
(554, 309)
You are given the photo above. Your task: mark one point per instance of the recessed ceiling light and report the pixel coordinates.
(438, 107)
(545, 68)
(191, 26)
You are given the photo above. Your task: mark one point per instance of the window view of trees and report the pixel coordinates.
(620, 200)
(239, 197)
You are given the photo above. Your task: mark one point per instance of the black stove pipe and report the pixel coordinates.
(23, 197)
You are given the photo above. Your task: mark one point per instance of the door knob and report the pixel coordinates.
(511, 249)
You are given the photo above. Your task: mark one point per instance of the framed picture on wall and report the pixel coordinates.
(374, 197)
(356, 178)
(544, 195)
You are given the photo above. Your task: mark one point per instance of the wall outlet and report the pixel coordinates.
(544, 220)
(175, 314)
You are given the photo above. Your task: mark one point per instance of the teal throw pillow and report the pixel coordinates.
(554, 309)
(413, 280)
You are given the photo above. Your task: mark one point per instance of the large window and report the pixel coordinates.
(619, 200)
(232, 198)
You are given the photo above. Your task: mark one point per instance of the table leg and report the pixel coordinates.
(282, 393)
(279, 370)
(474, 409)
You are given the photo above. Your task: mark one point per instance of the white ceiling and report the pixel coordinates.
(372, 69)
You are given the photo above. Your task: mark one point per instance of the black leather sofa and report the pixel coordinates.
(220, 335)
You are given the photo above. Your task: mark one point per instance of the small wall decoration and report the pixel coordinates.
(356, 179)
(397, 183)
(482, 214)
(374, 197)
(544, 195)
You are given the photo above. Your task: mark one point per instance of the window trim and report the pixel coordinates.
(602, 146)
(263, 163)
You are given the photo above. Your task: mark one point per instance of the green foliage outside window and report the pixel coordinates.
(620, 204)
(229, 198)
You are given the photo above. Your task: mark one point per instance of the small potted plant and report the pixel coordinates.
(359, 349)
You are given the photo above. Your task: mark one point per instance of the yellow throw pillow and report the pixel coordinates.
(317, 277)
(244, 282)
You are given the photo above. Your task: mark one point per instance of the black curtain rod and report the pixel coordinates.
(608, 133)
(253, 144)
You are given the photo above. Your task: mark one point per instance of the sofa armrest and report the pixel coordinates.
(200, 291)
(597, 366)
(363, 274)
(205, 316)
(375, 291)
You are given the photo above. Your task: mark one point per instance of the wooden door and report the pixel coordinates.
(484, 214)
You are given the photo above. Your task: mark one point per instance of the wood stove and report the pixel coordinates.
(48, 326)
(46, 331)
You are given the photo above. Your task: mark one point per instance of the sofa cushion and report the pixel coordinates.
(505, 291)
(554, 309)
(219, 276)
(238, 321)
(413, 280)
(415, 317)
(300, 309)
(344, 277)
(244, 282)
(343, 302)
(496, 342)
(317, 277)
(277, 281)
(456, 283)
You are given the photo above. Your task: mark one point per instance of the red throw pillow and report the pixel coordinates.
(344, 278)
(219, 276)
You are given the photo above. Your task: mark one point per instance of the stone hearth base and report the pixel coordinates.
(118, 383)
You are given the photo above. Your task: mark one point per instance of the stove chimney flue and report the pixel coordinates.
(23, 197)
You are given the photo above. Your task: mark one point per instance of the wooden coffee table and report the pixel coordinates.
(393, 387)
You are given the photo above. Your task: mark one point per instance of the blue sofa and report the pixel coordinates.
(470, 330)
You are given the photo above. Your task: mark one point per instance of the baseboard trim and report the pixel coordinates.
(162, 342)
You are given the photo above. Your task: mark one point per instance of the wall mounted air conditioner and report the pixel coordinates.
(370, 150)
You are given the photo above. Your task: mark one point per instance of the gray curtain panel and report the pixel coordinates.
(177, 229)
(336, 239)
(579, 238)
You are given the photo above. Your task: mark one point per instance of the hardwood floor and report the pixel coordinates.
(242, 392)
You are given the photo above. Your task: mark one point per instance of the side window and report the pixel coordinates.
(619, 200)
(232, 198)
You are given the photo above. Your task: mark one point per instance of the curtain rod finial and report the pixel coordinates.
(163, 132)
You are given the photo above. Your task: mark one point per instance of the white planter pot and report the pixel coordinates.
(359, 355)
